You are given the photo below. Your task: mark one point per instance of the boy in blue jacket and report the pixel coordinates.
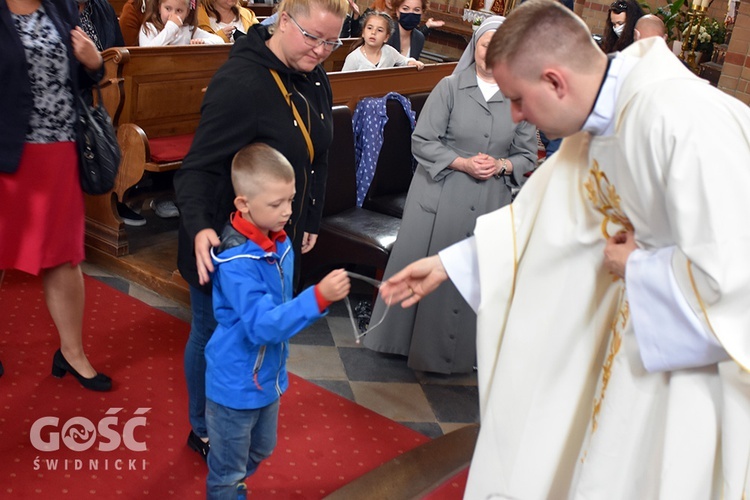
(256, 315)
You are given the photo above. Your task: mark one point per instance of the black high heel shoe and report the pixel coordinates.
(60, 365)
(197, 444)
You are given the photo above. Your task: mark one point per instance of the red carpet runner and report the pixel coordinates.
(58, 440)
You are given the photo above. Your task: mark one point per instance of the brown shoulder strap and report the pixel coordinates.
(297, 117)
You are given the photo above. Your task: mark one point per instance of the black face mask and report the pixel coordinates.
(409, 21)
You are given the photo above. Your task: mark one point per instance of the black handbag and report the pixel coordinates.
(98, 150)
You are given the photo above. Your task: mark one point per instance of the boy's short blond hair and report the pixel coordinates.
(256, 164)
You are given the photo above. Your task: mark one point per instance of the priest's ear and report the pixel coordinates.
(556, 80)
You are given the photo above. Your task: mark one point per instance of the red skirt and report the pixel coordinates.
(42, 210)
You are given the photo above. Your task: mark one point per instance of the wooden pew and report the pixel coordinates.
(417, 472)
(336, 60)
(348, 88)
(174, 90)
(153, 95)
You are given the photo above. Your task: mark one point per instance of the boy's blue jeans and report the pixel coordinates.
(202, 327)
(240, 440)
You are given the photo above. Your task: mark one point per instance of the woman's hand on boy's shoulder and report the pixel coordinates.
(335, 286)
(204, 241)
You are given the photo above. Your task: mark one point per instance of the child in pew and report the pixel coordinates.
(371, 51)
(173, 22)
(256, 316)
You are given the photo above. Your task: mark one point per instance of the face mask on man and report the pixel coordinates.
(409, 20)
(618, 30)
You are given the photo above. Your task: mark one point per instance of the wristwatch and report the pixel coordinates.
(503, 169)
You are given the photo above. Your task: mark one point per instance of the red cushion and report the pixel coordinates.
(166, 149)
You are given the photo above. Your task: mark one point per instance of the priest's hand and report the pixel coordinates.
(413, 282)
(616, 253)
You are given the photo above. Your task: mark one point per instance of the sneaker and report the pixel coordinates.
(166, 209)
(241, 491)
(129, 216)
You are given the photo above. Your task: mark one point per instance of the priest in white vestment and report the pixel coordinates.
(613, 295)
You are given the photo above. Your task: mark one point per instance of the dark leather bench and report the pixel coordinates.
(348, 234)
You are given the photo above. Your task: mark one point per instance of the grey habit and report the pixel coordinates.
(438, 334)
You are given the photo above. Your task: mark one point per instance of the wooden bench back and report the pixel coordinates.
(348, 88)
(159, 88)
(336, 60)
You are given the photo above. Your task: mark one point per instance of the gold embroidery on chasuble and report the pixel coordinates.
(604, 198)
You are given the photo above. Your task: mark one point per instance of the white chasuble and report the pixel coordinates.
(567, 408)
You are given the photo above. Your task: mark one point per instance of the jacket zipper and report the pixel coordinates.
(262, 351)
(283, 297)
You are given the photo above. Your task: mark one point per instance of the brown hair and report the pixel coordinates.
(256, 163)
(367, 15)
(210, 6)
(397, 3)
(382, 6)
(540, 31)
(611, 42)
(153, 16)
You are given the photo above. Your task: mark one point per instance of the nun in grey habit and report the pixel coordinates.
(471, 156)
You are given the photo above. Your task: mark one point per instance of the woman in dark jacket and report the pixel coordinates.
(243, 104)
(406, 38)
(99, 21)
(41, 202)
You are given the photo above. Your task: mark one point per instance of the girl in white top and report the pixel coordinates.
(172, 22)
(371, 52)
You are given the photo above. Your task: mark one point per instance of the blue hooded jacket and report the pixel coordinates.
(256, 314)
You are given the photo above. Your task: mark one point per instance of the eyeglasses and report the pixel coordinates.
(316, 41)
(619, 6)
(358, 334)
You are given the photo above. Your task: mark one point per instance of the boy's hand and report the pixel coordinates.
(197, 41)
(335, 286)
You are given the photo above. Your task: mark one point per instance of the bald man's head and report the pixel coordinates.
(648, 26)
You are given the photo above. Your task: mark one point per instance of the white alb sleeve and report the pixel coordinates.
(461, 263)
(669, 334)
